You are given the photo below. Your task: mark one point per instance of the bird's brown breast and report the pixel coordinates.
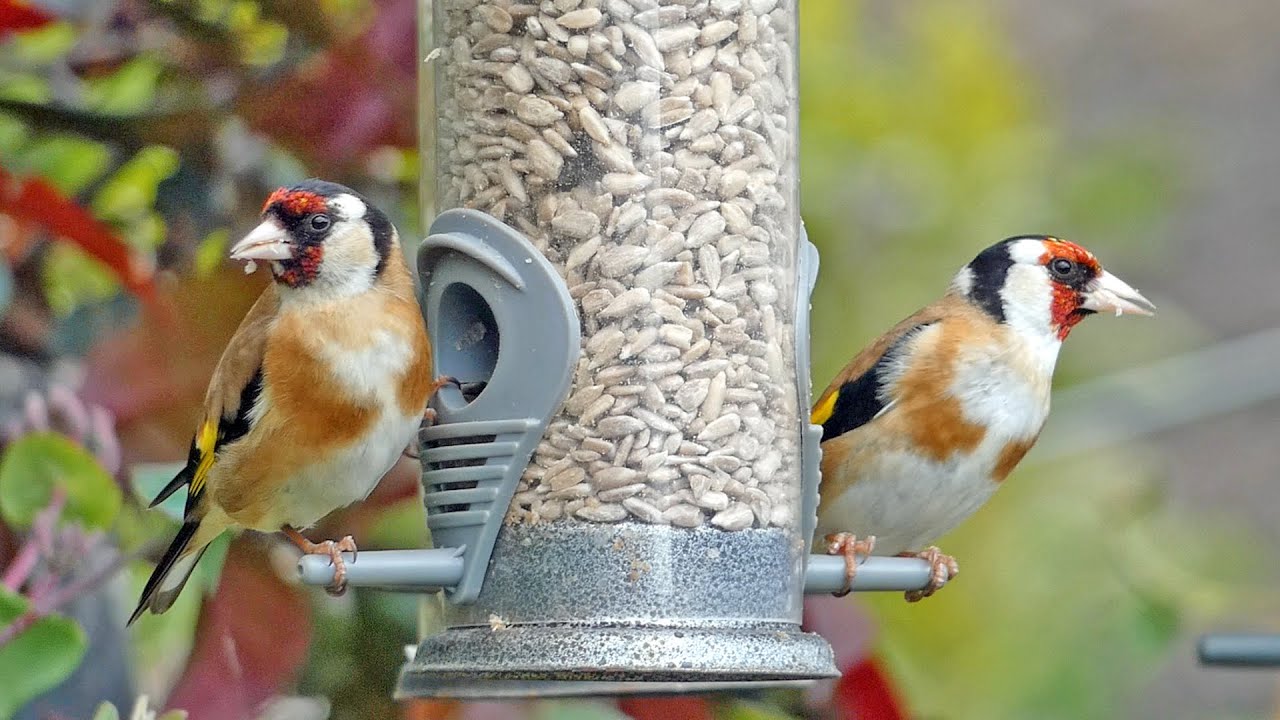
(310, 412)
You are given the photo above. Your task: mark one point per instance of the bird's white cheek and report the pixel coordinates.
(348, 206)
(346, 268)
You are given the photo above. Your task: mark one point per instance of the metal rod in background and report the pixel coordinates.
(432, 570)
(1240, 650)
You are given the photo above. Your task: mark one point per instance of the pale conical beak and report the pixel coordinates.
(1109, 294)
(268, 241)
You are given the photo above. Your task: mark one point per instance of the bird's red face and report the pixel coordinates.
(319, 234)
(1070, 267)
(1081, 287)
(1046, 285)
(304, 215)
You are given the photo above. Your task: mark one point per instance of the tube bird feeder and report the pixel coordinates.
(616, 252)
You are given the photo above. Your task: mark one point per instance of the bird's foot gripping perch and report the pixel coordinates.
(942, 569)
(848, 545)
(333, 549)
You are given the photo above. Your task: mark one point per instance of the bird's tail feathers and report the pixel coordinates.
(173, 570)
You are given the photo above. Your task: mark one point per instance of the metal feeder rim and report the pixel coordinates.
(533, 689)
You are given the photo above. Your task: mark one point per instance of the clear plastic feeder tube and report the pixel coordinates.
(648, 149)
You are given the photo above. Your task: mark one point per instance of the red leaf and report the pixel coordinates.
(36, 201)
(865, 692)
(430, 709)
(251, 640)
(666, 708)
(17, 15)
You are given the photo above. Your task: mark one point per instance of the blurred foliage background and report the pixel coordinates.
(138, 137)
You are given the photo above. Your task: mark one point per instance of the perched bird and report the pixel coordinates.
(921, 427)
(318, 393)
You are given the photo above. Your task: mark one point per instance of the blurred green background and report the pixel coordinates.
(138, 138)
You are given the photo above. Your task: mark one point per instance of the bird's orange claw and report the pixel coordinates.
(848, 545)
(334, 550)
(942, 569)
(441, 382)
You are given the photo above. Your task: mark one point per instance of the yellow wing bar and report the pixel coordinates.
(205, 443)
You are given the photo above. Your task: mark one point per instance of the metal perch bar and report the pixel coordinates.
(432, 570)
(1240, 650)
(409, 570)
(825, 574)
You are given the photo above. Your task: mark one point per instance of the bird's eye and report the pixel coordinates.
(1062, 267)
(318, 222)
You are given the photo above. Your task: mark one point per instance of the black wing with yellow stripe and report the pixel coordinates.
(209, 440)
(861, 398)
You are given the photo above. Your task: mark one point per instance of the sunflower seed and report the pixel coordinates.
(605, 513)
(580, 19)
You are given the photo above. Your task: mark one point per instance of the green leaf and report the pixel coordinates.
(33, 465)
(14, 135)
(23, 87)
(211, 252)
(73, 278)
(741, 710)
(69, 163)
(150, 478)
(174, 715)
(148, 232)
(106, 711)
(400, 525)
(43, 45)
(130, 89)
(131, 192)
(39, 658)
(1155, 624)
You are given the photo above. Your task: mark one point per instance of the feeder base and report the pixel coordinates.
(573, 660)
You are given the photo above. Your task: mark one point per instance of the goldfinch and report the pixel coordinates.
(923, 425)
(320, 390)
